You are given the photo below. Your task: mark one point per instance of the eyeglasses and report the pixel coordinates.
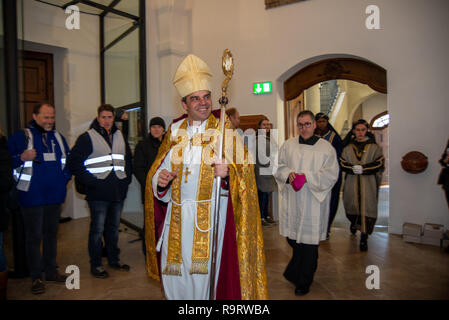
(304, 125)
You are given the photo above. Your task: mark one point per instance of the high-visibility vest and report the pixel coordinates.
(103, 159)
(24, 173)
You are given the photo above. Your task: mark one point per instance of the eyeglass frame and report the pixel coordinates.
(304, 125)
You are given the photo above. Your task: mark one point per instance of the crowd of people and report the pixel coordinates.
(183, 250)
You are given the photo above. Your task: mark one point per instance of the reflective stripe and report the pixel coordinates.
(28, 164)
(63, 160)
(16, 174)
(118, 156)
(23, 177)
(97, 160)
(104, 158)
(104, 169)
(100, 170)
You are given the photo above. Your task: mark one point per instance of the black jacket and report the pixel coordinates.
(6, 182)
(144, 156)
(444, 175)
(109, 189)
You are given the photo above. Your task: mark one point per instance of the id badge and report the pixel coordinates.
(49, 156)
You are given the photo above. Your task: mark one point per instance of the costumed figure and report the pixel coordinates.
(363, 162)
(179, 206)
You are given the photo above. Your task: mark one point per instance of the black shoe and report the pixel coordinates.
(120, 266)
(352, 229)
(38, 287)
(270, 220)
(301, 291)
(57, 277)
(364, 242)
(99, 272)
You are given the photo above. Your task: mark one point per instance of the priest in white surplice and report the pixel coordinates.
(309, 164)
(179, 204)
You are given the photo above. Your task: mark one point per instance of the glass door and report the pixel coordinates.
(123, 65)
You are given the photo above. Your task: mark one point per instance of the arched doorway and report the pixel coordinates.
(354, 69)
(351, 72)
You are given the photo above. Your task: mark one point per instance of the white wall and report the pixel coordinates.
(411, 45)
(169, 40)
(373, 106)
(77, 74)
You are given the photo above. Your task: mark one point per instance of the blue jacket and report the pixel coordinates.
(48, 182)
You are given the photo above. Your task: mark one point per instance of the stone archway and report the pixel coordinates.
(348, 68)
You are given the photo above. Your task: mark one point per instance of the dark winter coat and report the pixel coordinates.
(110, 189)
(144, 155)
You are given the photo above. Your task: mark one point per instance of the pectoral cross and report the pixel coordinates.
(186, 174)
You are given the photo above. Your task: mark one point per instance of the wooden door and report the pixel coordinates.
(250, 121)
(37, 71)
(292, 109)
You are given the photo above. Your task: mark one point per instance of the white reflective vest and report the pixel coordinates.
(103, 159)
(24, 173)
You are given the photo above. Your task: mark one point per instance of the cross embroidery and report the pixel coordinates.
(202, 242)
(186, 174)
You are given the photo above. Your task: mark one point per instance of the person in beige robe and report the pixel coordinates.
(363, 162)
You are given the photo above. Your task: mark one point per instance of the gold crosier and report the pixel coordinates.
(201, 238)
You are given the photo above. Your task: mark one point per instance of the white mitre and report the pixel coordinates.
(192, 75)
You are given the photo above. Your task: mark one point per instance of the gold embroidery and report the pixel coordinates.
(150, 232)
(186, 174)
(174, 256)
(243, 191)
(201, 238)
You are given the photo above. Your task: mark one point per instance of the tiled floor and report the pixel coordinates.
(407, 271)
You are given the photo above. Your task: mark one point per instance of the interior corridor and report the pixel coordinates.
(407, 271)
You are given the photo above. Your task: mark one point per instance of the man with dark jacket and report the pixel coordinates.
(101, 161)
(146, 151)
(144, 155)
(39, 155)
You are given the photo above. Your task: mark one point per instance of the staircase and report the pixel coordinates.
(328, 95)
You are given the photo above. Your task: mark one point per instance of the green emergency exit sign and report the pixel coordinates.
(262, 87)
